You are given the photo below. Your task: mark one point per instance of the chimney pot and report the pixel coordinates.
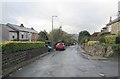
(22, 25)
(110, 19)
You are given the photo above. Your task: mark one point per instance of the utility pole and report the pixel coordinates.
(60, 29)
(52, 32)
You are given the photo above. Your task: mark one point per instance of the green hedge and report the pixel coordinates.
(14, 46)
(111, 39)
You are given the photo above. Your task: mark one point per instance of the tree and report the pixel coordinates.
(43, 36)
(61, 36)
(84, 37)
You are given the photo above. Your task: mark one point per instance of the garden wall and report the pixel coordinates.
(99, 50)
(13, 61)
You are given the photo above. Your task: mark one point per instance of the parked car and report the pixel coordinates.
(60, 46)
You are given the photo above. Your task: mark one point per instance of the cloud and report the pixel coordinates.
(73, 15)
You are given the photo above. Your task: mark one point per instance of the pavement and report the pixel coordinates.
(68, 63)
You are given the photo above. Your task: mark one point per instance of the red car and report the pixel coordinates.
(60, 46)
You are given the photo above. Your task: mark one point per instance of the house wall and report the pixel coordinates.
(12, 35)
(119, 26)
(109, 28)
(34, 37)
(0, 32)
(114, 28)
(5, 34)
(119, 17)
(23, 36)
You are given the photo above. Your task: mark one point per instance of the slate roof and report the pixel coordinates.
(8, 28)
(22, 29)
(114, 21)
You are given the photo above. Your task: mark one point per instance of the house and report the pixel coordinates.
(119, 15)
(114, 25)
(7, 33)
(19, 33)
(94, 36)
(105, 29)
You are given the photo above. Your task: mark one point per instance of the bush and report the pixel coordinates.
(119, 33)
(104, 33)
(111, 39)
(102, 39)
(15, 46)
(116, 49)
(91, 43)
(118, 40)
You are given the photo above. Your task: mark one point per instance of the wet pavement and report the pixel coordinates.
(68, 63)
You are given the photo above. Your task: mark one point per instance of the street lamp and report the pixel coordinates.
(60, 31)
(52, 30)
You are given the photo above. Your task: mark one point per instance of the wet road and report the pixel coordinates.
(68, 63)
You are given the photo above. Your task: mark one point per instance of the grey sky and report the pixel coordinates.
(73, 15)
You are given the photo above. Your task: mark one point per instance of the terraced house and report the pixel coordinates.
(113, 25)
(18, 33)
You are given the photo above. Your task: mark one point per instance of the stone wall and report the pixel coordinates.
(98, 50)
(12, 61)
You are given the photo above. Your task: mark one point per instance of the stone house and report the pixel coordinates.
(114, 26)
(19, 33)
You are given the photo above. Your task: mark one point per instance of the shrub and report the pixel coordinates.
(104, 33)
(111, 39)
(116, 49)
(118, 40)
(91, 43)
(102, 39)
(119, 33)
(15, 46)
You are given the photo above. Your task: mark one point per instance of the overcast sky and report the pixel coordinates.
(73, 15)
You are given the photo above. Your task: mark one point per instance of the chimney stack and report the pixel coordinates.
(32, 28)
(21, 25)
(110, 19)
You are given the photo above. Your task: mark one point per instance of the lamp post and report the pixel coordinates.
(52, 31)
(60, 31)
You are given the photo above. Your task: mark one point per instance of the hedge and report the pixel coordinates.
(91, 43)
(15, 46)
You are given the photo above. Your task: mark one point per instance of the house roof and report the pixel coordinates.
(104, 28)
(21, 28)
(114, 21)
(8, 28)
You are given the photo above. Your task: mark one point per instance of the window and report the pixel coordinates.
(13, 36)
(22, 36)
